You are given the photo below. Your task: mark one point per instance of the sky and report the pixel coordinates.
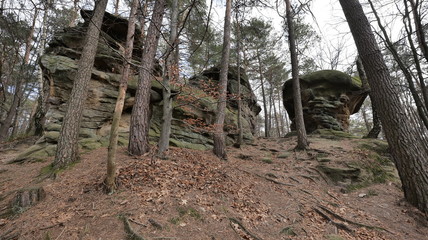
(327, 20)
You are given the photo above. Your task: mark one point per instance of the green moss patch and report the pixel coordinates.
(267, 160)
(332, 134)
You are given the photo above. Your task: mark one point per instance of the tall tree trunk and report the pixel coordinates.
(415, 53)
(74, 14)
(239, 140)
(219, 136)
(271, 123)
(16, 102)
(282, 115)
(422, 110)
(140, 117)
(2, 7)
(419, 27)
(110, 181)
(37, 118)
(28, 44)
(376, 128)
(408, 148)
(171, 73)
(302, 140)
(116, 7)
(67, 148)
(275, 117)
(262, 82)
(19, 91)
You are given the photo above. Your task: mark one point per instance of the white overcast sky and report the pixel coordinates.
(330, 25)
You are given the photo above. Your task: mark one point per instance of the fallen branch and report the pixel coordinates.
(248, 234)
(338, 225)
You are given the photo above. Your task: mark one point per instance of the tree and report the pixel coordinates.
(376, 128)
(256, 35)
(20, 83)
(110, 181)
(302, 141)
(170, 74)
(140, 117)
(219, 137)
(67, 148)
(408, 148)
(239, 140)
(38, 117)
(408, 75)
(202, 40)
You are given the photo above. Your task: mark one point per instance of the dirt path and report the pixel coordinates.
(264, 191)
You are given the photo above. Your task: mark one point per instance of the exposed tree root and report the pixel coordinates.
(337, 224)
(350, 221)
(321, 174)
(267, 178)
(10, 235)
(241, 230)
(131, 234)
(138, 223)
(155, 224)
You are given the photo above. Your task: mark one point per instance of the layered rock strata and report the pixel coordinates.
(329, 98)
(194, 106)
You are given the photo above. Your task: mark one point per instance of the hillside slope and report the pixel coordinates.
(341, 189)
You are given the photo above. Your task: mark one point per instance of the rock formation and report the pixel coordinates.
(193, 112)
(329, 97)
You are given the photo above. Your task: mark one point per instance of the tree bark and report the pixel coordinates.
(28, 44)
(74, 14)
(408, 148)
(219, 136)
(67, 148)
(239, 140)
(302, 140)
(262, 82)
(376, 128)
(19, 86)
(422, 110)
(37, 118)
(116, 7)
(140, 117)
(275, 115)
(170, 74)
(415, 53)
(110, 180)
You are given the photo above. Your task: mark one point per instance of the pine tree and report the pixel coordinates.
(408, 148)
(140, 117)
(219, 136)
(110, 181)
(67, 148)
(302, 141)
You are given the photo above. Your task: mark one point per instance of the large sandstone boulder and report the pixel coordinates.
(194, 108)
(329, 97)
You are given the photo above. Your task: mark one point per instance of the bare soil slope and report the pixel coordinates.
(264, 191)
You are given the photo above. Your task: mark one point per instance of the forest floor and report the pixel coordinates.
(264, 191)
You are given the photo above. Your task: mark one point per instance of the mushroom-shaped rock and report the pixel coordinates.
(329, 97)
